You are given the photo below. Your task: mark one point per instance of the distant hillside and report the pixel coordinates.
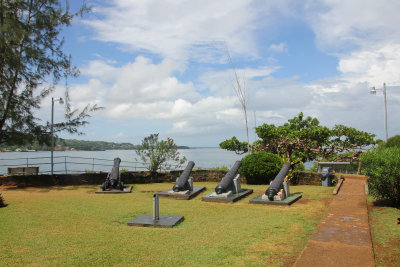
(68, 144)
(72, 144)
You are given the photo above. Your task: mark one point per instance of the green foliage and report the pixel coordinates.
(383, 168)
(158, 155)
(300, 137)
(307, 139)
(303, 137)
(393, 141)
(234, 144)
(299, 167)
(260, 167)
(124, 170)
(32, 58)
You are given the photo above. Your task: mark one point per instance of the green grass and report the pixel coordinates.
(72, 226)
(385, 232)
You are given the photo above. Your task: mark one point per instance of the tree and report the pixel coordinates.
(157, 155)
(393, 141)
(305, 138)
(31, 59)
(299, 138)
(234, 145)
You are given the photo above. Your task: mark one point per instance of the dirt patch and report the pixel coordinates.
(354, 176)
(7, 187)
(326, 201)
(303, 200)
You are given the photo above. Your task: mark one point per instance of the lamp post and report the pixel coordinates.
(373, 92)
(59, 100)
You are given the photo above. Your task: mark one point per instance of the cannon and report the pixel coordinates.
(227, 182)
(183, 183)
(277, 183)
(113, 180)
(229, 189)
(327, 176)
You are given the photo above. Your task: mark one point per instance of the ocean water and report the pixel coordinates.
(83, 161)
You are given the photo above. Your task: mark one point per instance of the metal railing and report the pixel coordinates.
(69, 164)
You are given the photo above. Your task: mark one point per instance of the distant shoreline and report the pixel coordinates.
(75, 150)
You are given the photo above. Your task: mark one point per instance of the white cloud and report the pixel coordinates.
(279, 48)
(363, 35)
(197, 29)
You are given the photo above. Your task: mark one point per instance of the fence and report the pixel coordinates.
(69, 164)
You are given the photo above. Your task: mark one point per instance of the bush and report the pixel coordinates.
(299, 167)
(2, 204)
(393, 141)
(383, 168)
(260, 167)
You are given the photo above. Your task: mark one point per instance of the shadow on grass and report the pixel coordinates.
(46, 189)
(385, 203)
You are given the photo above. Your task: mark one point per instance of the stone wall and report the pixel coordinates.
(99, 178)
(307, 178)
(300, 178)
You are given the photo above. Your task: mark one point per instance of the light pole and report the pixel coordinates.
(373, 92)
(59, 100)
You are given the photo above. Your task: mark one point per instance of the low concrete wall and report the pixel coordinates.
(99, 178)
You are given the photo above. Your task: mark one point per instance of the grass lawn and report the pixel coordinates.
(385, 232)
(72, 226)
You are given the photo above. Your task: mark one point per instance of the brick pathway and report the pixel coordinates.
(343, 237)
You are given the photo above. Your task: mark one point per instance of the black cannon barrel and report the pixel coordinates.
(113, 178)
(115, 170)
(182, 183)
(227, 180)
(273, 189)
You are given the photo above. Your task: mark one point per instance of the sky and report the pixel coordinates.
(163, 67)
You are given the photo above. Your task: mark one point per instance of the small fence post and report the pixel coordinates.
(27, 162)
(65, 164)
(93, 164)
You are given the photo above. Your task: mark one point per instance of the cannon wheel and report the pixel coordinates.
(104, 186)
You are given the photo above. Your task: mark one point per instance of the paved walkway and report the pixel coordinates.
(343, 237)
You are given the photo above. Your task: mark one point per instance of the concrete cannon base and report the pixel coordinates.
(186, 195)
(212, 197)
(287, 201)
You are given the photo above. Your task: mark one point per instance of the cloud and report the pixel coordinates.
(279, 48)
(197, 29)
(184, 81)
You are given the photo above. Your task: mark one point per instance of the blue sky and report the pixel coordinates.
(162, 66)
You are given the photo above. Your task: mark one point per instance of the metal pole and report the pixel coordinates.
(384, 99)
(156, 211)
(52, 134)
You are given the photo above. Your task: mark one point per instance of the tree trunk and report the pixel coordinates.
(359, 167)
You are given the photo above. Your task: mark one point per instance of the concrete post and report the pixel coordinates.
(156, 211)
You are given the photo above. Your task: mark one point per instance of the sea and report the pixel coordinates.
(95, 161)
